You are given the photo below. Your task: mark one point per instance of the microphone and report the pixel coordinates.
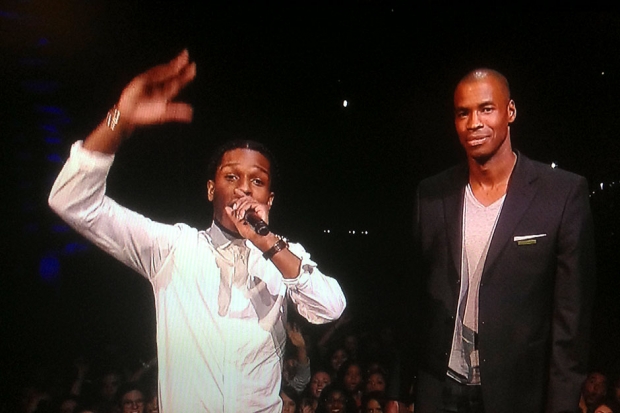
(258, 225)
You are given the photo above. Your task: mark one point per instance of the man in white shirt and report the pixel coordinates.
(220, 294)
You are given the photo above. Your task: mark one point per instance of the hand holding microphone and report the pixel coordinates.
(259, 226)
(248, 212)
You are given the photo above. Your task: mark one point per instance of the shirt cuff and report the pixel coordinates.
(306, 267)
(90, 160)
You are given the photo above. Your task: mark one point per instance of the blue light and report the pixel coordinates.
(74, 248)
(43, 42)
(54, 157)
(49, 268)
(49, 128)
(9, 15)
(52, 110)
(53, 140)
(60, 228)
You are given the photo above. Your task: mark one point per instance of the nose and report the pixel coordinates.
(473, 121)
(244, 185)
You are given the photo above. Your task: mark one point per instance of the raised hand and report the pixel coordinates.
(148, 98)
(295, 335)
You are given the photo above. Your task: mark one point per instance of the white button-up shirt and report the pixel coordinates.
(220, 306)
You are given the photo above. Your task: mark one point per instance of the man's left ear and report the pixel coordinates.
(512, 111)
(270, 200)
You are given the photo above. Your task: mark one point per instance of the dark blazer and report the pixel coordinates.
(535, 293)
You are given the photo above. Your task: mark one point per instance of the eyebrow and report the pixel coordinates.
(232, 164)
(481, 104)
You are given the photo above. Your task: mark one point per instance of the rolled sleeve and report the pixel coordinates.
(317, 297)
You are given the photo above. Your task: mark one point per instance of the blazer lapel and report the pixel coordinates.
(520, 193)
(453, 213)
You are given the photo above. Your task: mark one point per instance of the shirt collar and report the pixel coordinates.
(222, 238)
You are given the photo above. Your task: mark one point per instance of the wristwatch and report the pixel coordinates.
(277, 247)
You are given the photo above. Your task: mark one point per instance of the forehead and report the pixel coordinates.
(243, 157)
(472, 92)
(335, 395)
(372, 403)
(132, 394)
(320, 375)
(596, 377)
(353, 367)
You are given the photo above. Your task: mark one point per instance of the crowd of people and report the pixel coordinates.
(328, 365)
(346, 366)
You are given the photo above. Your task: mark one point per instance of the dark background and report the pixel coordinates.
(280, 74)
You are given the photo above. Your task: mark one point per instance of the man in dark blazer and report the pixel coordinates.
(506, 247)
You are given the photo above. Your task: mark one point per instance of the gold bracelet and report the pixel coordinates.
(113, 117)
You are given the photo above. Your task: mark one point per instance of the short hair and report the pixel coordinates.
(483, 72)
(374, 395)
(129, 387)
(216, 157)
(349, 404)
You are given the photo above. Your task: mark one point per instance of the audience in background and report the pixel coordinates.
(335, 399)
(367, 359)
(593, 392)
(296, 365)
(290, 399)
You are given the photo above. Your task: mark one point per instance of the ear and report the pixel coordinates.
(270, 200)
(512, 111)
(210, 190)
